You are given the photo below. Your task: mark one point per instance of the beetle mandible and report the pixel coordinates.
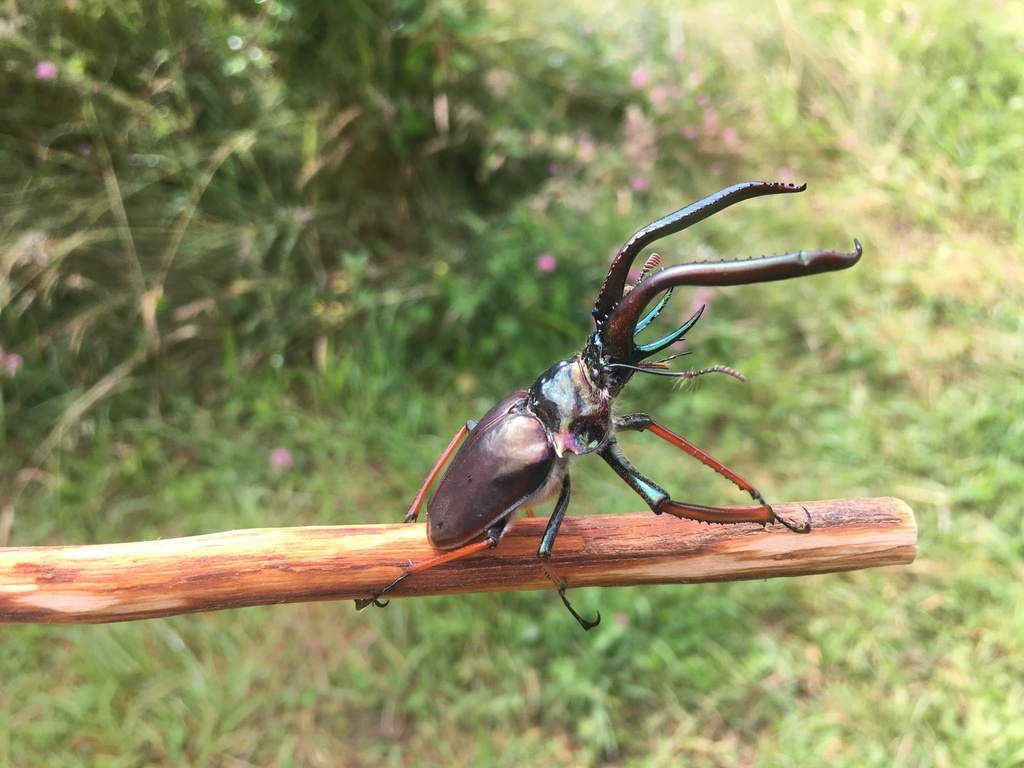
(520, 452)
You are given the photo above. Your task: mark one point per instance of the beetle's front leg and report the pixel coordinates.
(659, 501)
(544, 553)
(641, 421)
(638, 422)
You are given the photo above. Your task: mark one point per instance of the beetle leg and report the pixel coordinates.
(544, 553)
(417, 503)
(490, 541)
(659, 501)
(641, 421)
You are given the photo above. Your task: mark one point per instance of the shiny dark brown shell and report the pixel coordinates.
(505, 460)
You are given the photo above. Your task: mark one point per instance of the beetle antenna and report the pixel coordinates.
(714, 369)
(653, 262)
(682, 374)
(663, 362)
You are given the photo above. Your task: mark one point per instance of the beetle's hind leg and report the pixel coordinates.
(490, 541)
(417, 503)
(544, 553)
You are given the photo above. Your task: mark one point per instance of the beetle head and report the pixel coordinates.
(575, 409)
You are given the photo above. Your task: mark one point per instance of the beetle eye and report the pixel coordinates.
(588, 437)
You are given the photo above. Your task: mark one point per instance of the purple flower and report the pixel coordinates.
(10, 364)
(280, 459)
(546, 262)
(84, 149)
(701, 298)
(640, 78)
(691, 132)
(46, 70)
(639, 183)
(710, 122)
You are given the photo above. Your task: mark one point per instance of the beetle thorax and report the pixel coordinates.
(573, 408)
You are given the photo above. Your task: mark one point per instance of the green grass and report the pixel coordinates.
(899, 377)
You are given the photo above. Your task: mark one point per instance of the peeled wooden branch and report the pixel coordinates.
(122, 582)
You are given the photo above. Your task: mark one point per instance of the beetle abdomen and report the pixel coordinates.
(505, 460)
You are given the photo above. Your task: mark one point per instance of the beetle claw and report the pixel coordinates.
(585, 623)
(375, 600)
(805, 528)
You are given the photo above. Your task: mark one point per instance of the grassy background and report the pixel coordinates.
(212, 248)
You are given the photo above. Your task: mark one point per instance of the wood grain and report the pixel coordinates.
(123, 582)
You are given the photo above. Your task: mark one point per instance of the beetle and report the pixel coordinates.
(519, 454)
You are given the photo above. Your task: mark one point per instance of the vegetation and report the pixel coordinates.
(258, 262)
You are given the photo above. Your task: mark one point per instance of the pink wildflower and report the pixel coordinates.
(546, 262)
(280, 459)
(10, 364)
(639, 183)
(640, 78)
(46, 70)
(701, 298)
(710, 122)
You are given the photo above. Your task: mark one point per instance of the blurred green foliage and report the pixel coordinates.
(194, 190)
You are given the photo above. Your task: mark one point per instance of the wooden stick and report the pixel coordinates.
(122, 582)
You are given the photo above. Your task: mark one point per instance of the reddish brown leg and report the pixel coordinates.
(417, 503)
(763, 514)
(659, 500)
(709, 461)
(489, 542)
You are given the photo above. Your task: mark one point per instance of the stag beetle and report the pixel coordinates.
(520, 453)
